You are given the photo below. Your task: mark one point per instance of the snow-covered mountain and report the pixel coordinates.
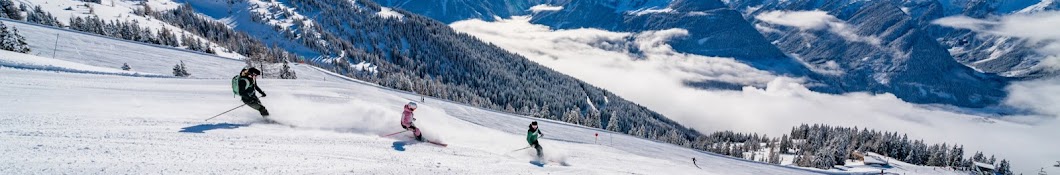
(874, 46)
(1007, 55)
(986, 51)
(714, 30)
(906, 61)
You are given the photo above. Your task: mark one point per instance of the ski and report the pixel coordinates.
(542, 163)
(414, 139)
(430, 141)
(274, 122)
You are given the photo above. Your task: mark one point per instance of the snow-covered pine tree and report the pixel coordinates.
(612, 123)
(286, 72)
(10, 40)
(774, 156)
(824, 158)
(167, 37)
(838, 144)
(8, 10)
(978, 157)
(672, 136)
(572, 116)
(187, 41)
(805, 158)
(944, 155)
(935, 155)
(20, 41)
(543, 112)
(180, 70)
(918, 153)
(955, 154)
(785, 144)
(508, 107)
(42, 17)
(1004, 168)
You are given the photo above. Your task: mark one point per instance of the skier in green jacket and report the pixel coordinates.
(532, 135)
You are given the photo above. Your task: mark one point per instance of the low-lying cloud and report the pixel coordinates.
(650, 11)
(611, 52)
(1039, 28)
(545, 7)
(808, 23)
(805, 20)
(641, 67)
(814, 21)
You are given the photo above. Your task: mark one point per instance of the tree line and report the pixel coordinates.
(192, 24)
(824, 146)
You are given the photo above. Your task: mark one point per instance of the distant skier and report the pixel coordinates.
(246, 85)
(407, 119)
(532, 135)
(694, 163)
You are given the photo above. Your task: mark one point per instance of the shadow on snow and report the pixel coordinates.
(202, 128)
(538, 163)
(400, 144)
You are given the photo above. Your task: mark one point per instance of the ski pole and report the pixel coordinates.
(388, 135)
(230, 110)
(521, 148)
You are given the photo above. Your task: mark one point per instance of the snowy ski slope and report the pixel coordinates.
(115, 10)
(79, 114)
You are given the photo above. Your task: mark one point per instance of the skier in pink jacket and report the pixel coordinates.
(407, 119)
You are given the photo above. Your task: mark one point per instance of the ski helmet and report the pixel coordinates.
(253, 71)
(533, 123)
(411, 106)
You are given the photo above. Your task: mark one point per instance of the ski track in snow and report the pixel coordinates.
(67, 120)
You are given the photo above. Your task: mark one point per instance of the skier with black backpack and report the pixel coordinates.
(532, 135)
(244, 85)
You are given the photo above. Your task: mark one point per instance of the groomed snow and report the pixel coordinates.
(23, 61)
(120, 10)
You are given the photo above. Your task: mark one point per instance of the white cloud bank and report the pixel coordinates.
(813, 21)
(1042, 28)
(805, 20)
(810, 21)
(545, 7)
(650, 11)
(653, 77)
